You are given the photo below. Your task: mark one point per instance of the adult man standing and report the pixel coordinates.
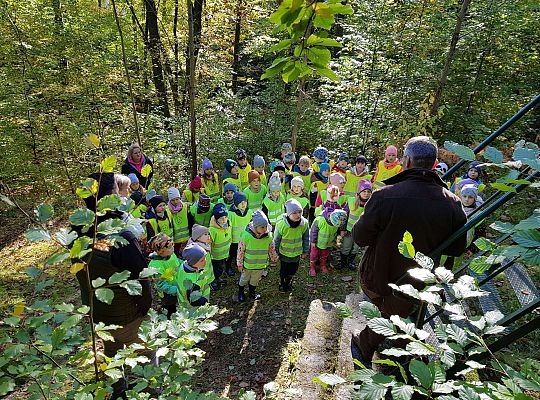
(418, 201)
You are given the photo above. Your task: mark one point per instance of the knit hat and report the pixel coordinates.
(279, 166)
(441, 168)
(476, 166)
(150, 194)
(304, 160)
(156, 201)
(241, 154)
(274, 183)
(230, 187)
(292, 205)
(297, 181)
(286, 146)
(258, 162)
(136, 197)
(197, 231)
(289, 158)
(364, 184)
(333, 193)
(206, 164)
(469, 190)
(343, 157)
(259, 219)
(252, 175)
(391, 150)
(324, 167)
(230, 164)
(361, 159)
(173, 193)
(467, 181)
(239, 197)
(196, 184)
(336, 178)
(204, 202)
(133, 178)
(193, 254)
(220, 210)
(321, 153)
(338, 217)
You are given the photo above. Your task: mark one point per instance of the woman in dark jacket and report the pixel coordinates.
(134, 163)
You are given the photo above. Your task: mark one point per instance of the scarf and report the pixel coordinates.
(293, 224)
(389, 165)
(362, 173)
(321, 177)
(297, 169)
(176, 208)
(138, 166)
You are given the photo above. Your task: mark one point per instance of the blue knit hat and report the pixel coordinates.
(258, 162)
(343, 157)
(220, 210)
(321, 153)
(230, 164)
(193, 254)
(324, 167)
(476, 166)
(133, 178)
(206, 164)
(241, 154)
(230, 187)
(239, 197)
(150, 194)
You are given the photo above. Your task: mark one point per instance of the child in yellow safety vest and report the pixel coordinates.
(210, 180)
(388, 167)
(291, 240)
(322, 237)
(303, 170)
(319, 182)
(228, 194)
(273, 202)
(178, 214)
(200, 212)
(320, 155)
(230, 173)
(201, 235)
(356, 204)
(161, 222)
(255, 192)
(193, 279)
(193, 191)
(298, 193)
(259, 165)
(342, 165)
(359, 172)
(243, 168)
(163, 259)
(221, 235)
(254, 249)
(239, 217)
(473, 173)
(337, 180)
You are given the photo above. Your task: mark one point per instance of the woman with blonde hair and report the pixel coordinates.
(134, 163)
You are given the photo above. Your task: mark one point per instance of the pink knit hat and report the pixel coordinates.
(391, 150)
(364, 184)
(336, 178)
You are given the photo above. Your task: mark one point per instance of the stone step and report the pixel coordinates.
(318, 348)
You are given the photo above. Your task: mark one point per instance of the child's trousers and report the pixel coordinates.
(348, 246)
(320, 255)
(288, 268)
(251, 277)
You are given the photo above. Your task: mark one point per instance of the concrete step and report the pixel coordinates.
(318, 348)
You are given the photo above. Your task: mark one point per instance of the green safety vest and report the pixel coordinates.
(481, 186)
(201, 278)
(264, 180)
(163, 265)
(275, 208)
(239, 224)
(231, 180)
(201, 219)
(221, 242)
(255, 200)
(305, 178)
(327, 233)
(211, 188)
(320, 185)
(351, 183)
(256, 254)
(222, 201)
(164, 226)
(291, 238)
(354, 215)
(180, 225)
(302, 200)
(191, 197)
(139, 211)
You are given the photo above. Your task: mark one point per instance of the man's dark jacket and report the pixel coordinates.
(416, 200)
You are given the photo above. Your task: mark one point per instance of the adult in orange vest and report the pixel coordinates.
(388, 167)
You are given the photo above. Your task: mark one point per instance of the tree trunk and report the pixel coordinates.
(59, 33)
(154, 44)
(236, 46)
(299, 106)
(176, 72)
(191, 62)
(449, 58)
(195, 23)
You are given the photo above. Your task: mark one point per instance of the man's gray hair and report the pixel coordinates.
(422, 151)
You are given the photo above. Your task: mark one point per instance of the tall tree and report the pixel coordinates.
(191, 62)
(236, 45)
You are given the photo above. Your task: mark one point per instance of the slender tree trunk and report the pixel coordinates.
(236, 46)
(298, 114)
(449, 58)
(59, 33)
(191, 88)
(154, 44)
(195, 22)
(176, 73)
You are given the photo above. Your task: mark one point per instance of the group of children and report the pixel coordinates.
(247, 220)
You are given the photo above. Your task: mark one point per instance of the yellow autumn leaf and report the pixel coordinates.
(94, 139)
(103, 366)
(18, 309)
(145, 171)
(322, 10)
(108, 164)
(168, 275)
(76, 268)
(95, 187)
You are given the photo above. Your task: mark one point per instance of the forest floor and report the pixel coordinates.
(264, 345)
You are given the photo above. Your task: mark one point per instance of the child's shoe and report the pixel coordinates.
(252, 293)
(241, 294)
(324, 269)
(312, 270)
(230, 271)
(352, 264)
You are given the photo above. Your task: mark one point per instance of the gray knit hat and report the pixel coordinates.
(292, 205)
(197, 231)
(193, 254)
(259, 219)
